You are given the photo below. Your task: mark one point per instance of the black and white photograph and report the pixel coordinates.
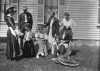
(49, 35)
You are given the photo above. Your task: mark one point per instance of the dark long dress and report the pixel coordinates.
(25, 24)
(12, 43)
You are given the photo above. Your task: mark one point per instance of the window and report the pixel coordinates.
(2, 4)
(40, 11)
(13, 1)
(99, 13)
(40, 1)
(62, 2)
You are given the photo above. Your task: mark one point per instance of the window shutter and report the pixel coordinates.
(62, 2)
(40, 17)
(13, 1)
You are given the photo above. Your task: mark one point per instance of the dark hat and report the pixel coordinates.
(25, 8)
(53, 14)
(66, 14)
(11, 10)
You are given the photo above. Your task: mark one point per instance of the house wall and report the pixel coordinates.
(83, 12)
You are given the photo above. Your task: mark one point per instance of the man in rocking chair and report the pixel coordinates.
(64, 46)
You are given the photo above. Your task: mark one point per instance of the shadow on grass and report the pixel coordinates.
(74, 52)
(2, 52)
(99, 60)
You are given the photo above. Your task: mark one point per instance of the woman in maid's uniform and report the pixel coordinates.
(12, 50)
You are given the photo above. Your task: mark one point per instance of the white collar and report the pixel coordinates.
(9, 15)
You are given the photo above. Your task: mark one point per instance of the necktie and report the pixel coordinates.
(25, 18)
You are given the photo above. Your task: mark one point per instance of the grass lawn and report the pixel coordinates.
(84, 52)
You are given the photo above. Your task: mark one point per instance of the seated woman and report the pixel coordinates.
(25, 26)
(28, 44)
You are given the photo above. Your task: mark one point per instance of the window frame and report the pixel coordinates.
(99, 12)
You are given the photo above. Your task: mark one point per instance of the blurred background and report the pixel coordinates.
(86, 32)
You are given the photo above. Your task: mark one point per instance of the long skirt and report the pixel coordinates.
(42, 48)
(28, 49)
(12, 46)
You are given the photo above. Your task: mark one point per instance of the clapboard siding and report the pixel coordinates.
(3, 29)
(85, 14)
(3, 26)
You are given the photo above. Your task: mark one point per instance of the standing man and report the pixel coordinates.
(25, 25)
(53, 29)
(25, 20)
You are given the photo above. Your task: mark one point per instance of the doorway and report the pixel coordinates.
(49, 7)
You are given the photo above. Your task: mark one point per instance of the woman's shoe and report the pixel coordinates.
(37, 57)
